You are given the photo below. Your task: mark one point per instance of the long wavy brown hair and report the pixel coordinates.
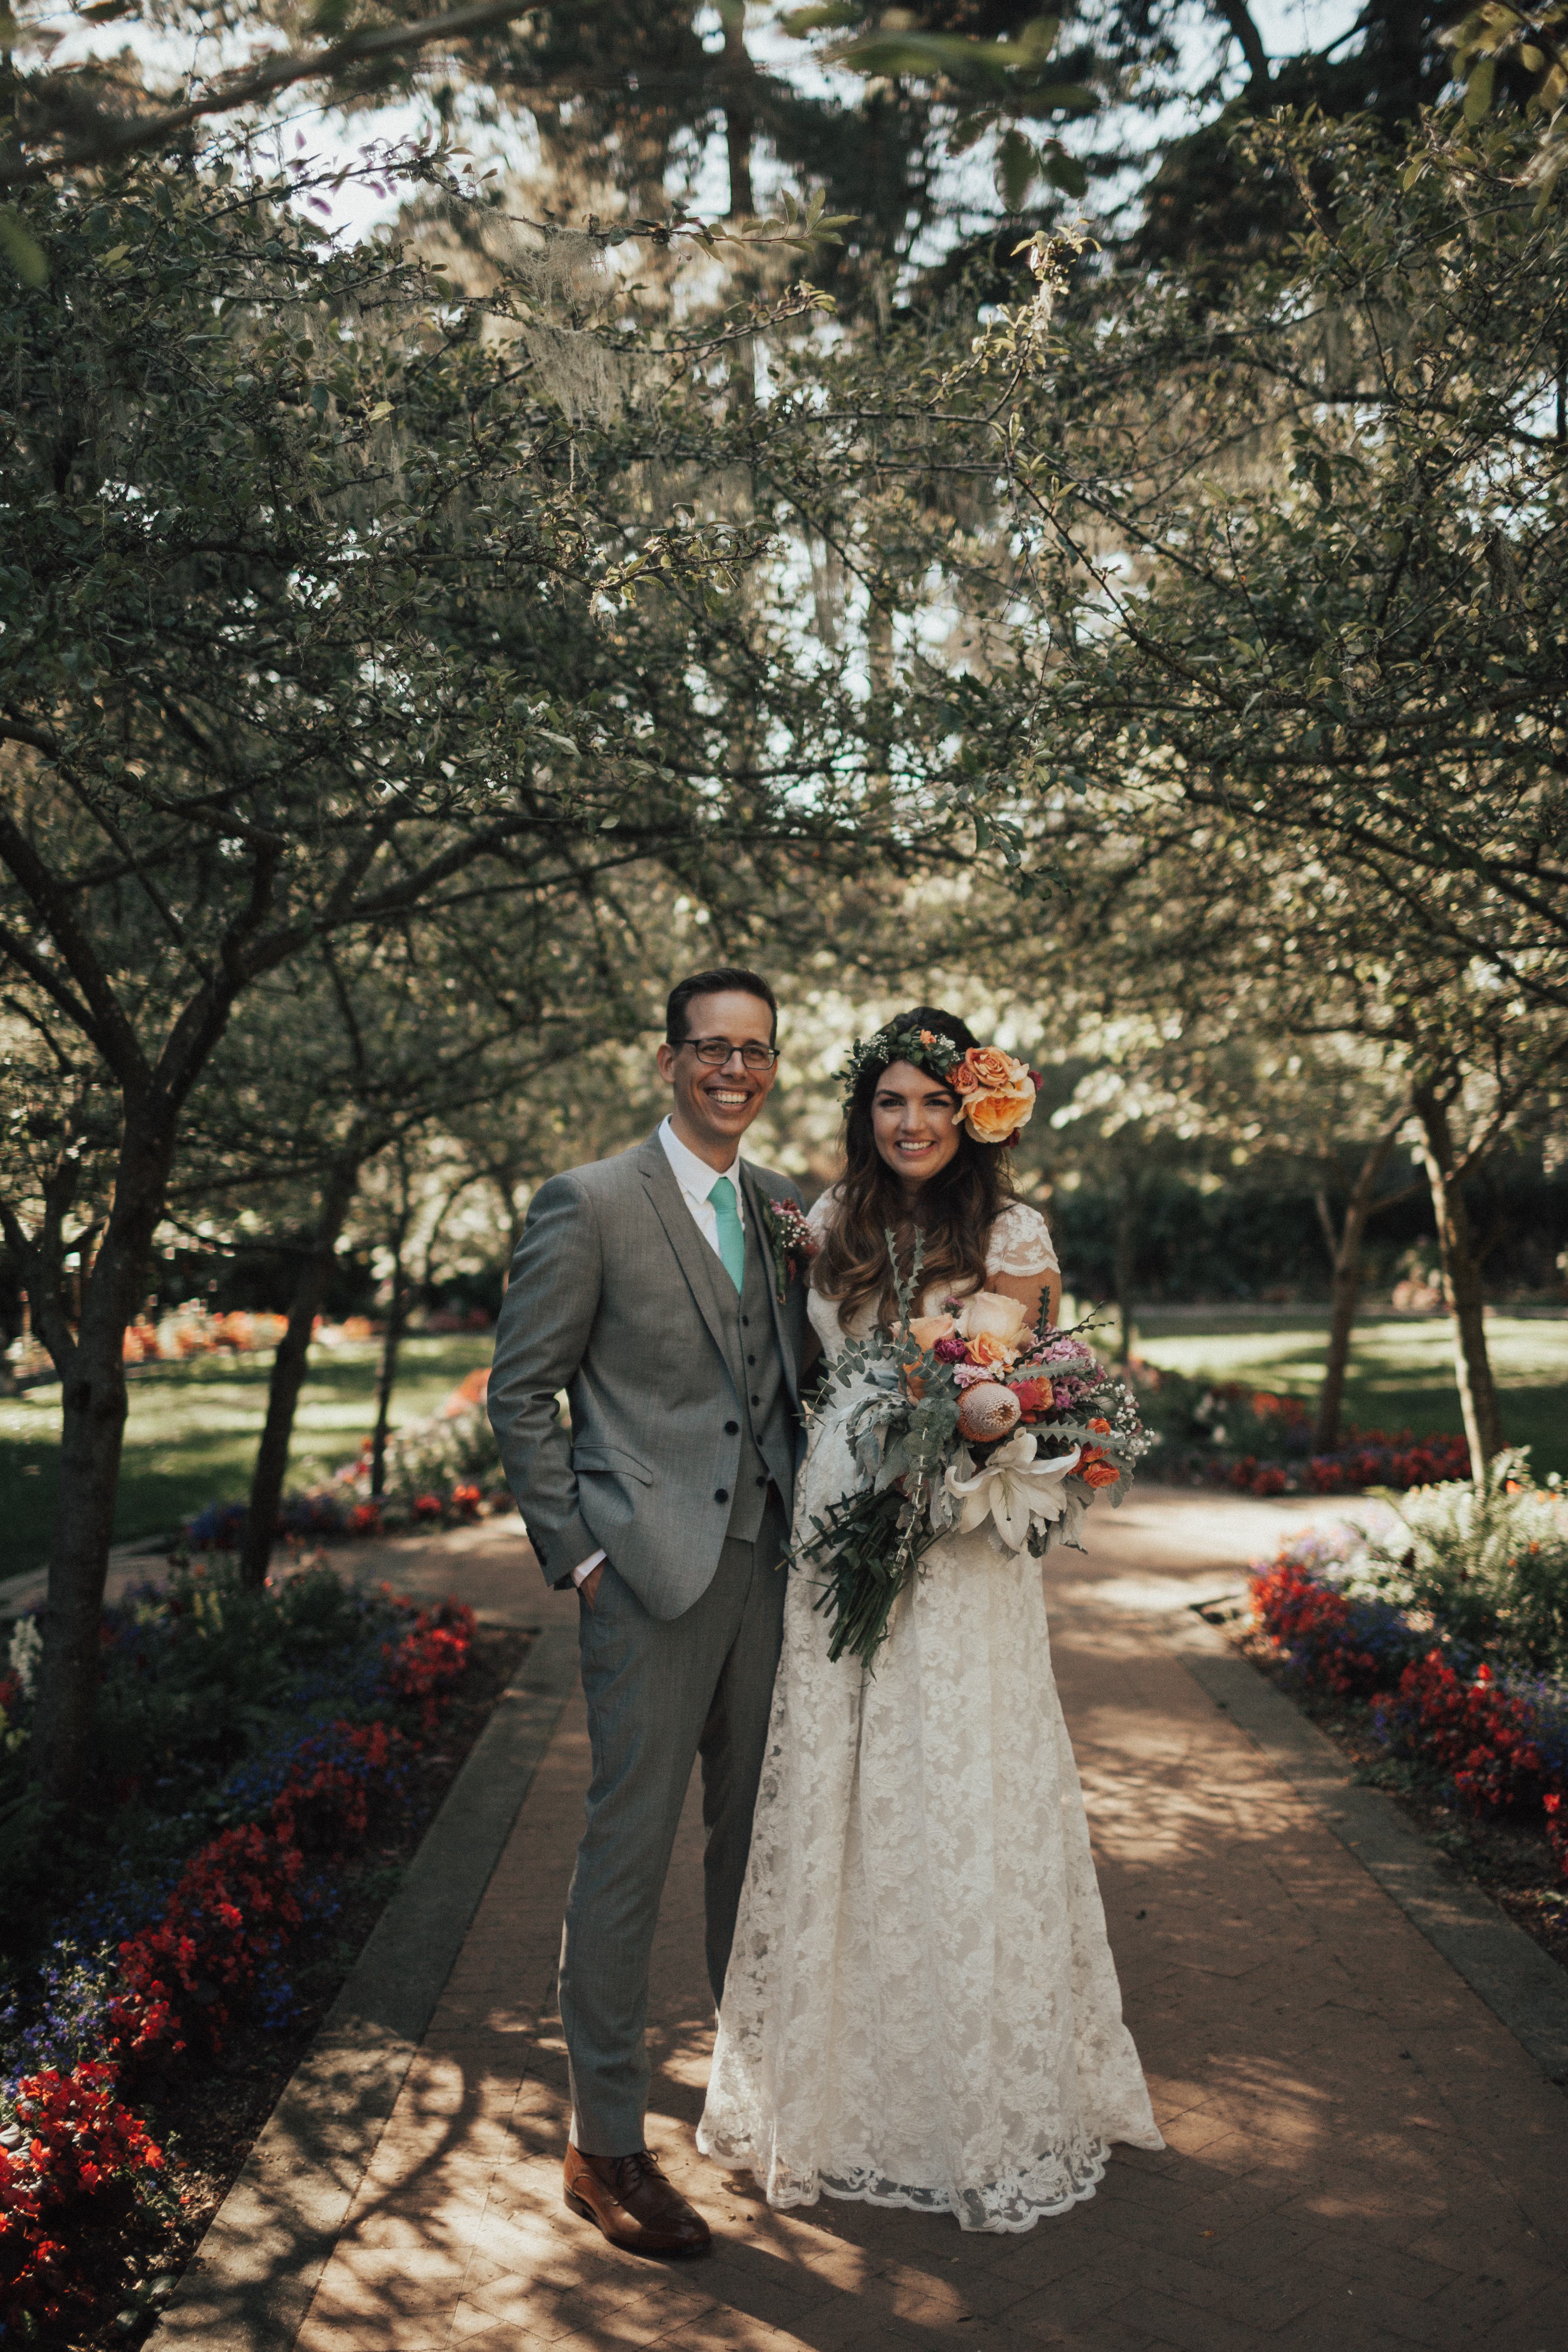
(955, 1211)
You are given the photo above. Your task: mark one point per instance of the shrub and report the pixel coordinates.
(1489, 1560)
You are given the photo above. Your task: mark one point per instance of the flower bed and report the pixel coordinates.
(441, 1472)
(1489, 1730)
(151, 1974)
(1256, 1442)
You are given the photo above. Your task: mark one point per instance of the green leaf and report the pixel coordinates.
(1066, 173)
(1017, 165)
(1037, 39)
(1058, 98)
(22, 250)
(1478, 91)
(833, 16)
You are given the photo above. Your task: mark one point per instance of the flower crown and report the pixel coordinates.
(995, 1093)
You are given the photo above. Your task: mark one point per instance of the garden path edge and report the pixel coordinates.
(251, 2281)
(1521, 1985)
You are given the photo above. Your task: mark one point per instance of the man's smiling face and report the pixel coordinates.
(713, 1107)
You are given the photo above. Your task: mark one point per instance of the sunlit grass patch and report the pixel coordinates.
(1401, 1374)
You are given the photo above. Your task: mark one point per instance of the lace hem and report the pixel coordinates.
(1051, 2186)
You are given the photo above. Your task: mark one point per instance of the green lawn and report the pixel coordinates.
(193, 1429)
(1402, 1373)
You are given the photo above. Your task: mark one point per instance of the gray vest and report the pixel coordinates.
(767, 1428)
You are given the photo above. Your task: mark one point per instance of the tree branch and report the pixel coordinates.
(246, 84)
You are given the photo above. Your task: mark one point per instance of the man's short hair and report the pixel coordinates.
(729, 980)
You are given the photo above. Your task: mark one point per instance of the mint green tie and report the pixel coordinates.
(731, 1237)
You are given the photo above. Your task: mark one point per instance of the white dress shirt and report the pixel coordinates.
(696, 1179)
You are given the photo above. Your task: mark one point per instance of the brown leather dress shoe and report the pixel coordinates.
(633, 2204)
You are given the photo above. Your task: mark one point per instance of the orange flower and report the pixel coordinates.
(961, 1079)
(1098, 1473)
(994, 1070)
(925, 1330)
(987, 1348)
(994, 1118)
(1101, 1428)
(1034, 1396)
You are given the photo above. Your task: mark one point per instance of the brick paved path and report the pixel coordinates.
(1360, 2153)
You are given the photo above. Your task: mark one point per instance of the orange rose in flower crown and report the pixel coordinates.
(996, 1095)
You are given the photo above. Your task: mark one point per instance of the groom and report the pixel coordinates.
(644, 1287)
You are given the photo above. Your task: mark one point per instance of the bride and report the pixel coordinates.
(921, 2007)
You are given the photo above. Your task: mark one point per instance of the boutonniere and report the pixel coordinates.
(790, 1240)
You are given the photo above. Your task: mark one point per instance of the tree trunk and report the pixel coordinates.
(93, 1400)
(287, 1379)
(1461, 1282)
(394, 1322)
(1126, 1274)
(740, 122)
(1348, 1267)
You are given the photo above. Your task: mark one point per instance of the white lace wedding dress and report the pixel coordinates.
(921, 2007)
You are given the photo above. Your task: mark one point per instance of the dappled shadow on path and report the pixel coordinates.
(1358, 2152)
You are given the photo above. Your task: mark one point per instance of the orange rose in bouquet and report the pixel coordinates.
(925, 1330)
(1095, 1470)
(987, 1348)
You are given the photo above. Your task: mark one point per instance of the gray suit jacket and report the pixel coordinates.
(609, 1299)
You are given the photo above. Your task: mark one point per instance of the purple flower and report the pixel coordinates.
(950, 1350)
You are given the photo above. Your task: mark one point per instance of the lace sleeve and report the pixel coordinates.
(1020, 1243)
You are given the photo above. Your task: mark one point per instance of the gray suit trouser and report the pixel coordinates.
(661, 1694)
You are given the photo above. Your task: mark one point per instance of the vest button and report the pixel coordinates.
(750, 1360)
(745, 1318)
(756, 1399)
(762, 1481)
(721, 1494)
(732, 1429)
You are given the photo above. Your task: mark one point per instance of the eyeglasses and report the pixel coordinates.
(716, 1052)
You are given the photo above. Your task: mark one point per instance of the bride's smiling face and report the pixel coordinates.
(915, 1123)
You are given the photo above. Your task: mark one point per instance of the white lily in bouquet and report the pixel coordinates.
(1013, 1486)
(958, 1419)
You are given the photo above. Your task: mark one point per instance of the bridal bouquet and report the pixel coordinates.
(965, 1419)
